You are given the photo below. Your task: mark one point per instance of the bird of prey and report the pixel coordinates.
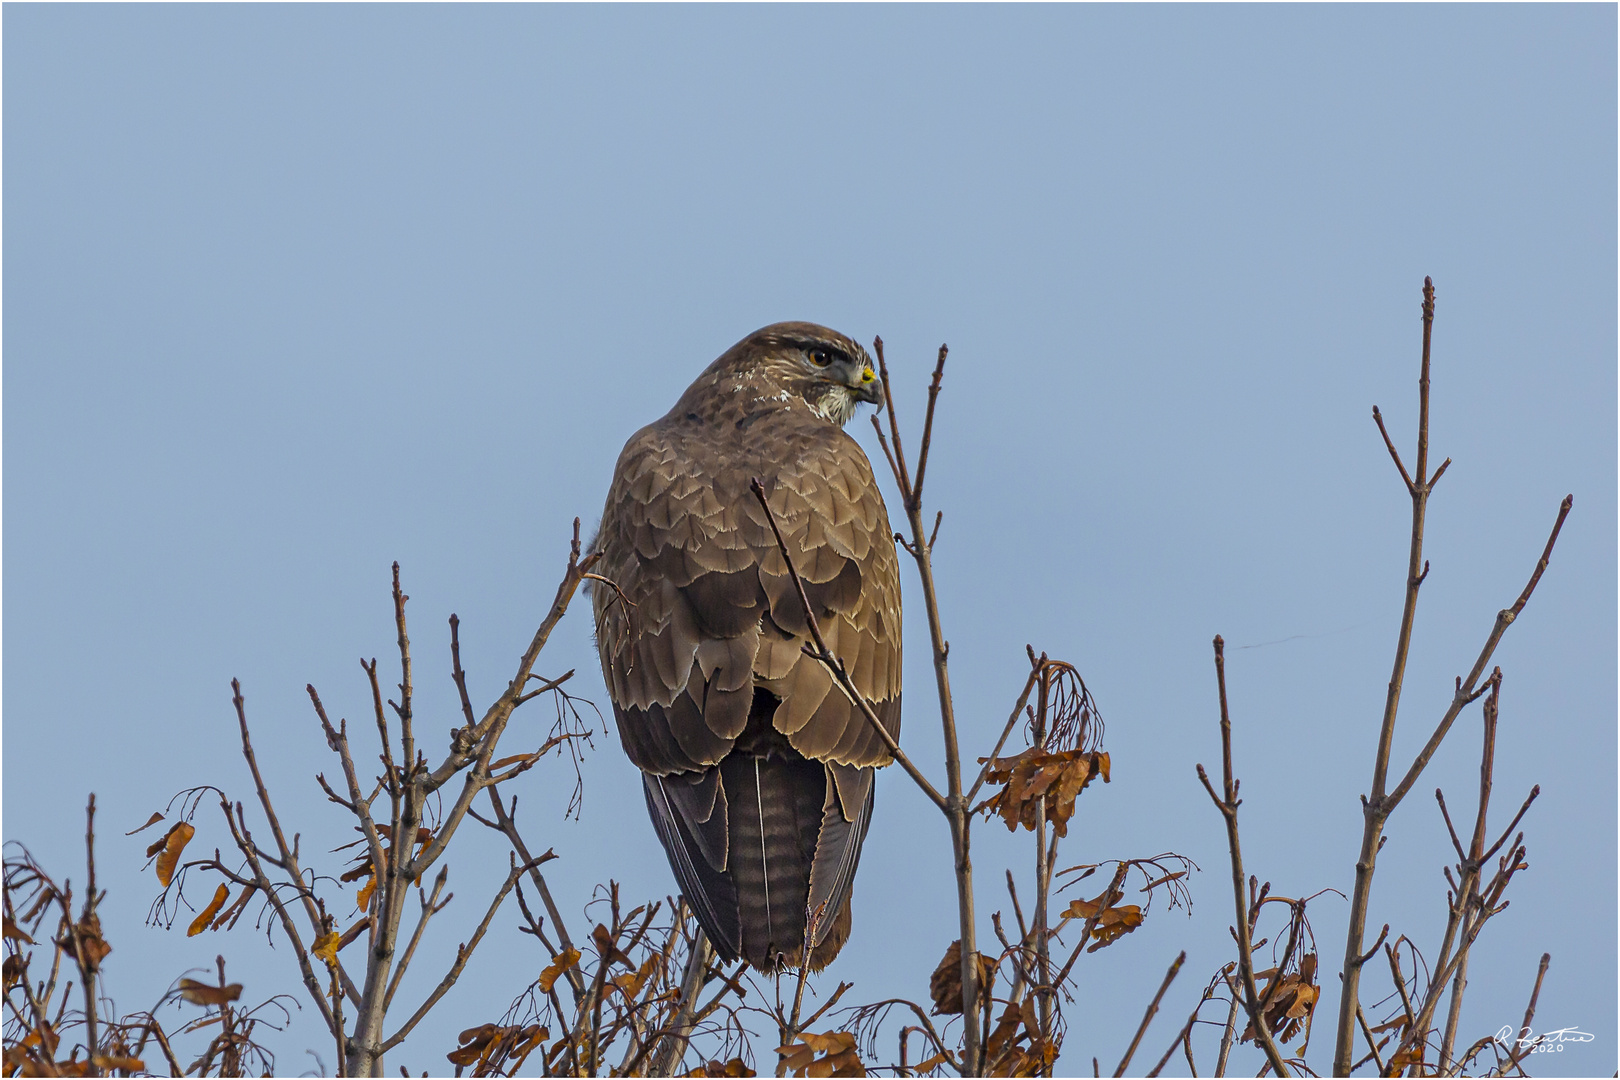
(757, 767)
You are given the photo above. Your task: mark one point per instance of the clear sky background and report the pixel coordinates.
(293, 292)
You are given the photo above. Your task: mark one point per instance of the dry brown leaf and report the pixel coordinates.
(475, 1044)
(168, 850)
(630, 983)
(206, 916)
(734, 1067)
(151, 821)
(1412, 1055)
(83, 939)
(362, 899)
(548, 978)
(43, 1035)
(945, 985)
(362, 862)
(15, 934)
(199, 993)
(608, 948)
(832, 1054)
(326, 946)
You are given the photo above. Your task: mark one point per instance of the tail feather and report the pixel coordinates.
(775, 816)
(838, 849)
(765, 847)
(708, 889)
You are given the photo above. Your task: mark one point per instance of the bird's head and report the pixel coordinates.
(831, 372)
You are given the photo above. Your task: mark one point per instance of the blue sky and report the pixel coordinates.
(293, 292)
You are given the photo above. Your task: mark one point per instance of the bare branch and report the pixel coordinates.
(430, 908)
(488, 730)
(1524, 1044)
(673, 1044)
(897, 460)
(1147, 1018)
(1012, 721)
(1395, 455)
(508, 826)
(1504, 619)
(1228, 806)
(1183, 1038)
(289, 855)
(463, 952)
(928, 432)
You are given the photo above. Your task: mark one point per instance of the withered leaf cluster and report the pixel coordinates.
(734, 1067)
(31, 1057)
(1016, 1046)
(1058, 776)
(494, 1050)
(1291, 1002)
(83, 940)
(1112, 921)
(832, 1054)
(945, 985)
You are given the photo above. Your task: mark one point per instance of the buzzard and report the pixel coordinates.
(757, 768)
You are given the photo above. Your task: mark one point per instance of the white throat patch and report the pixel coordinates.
(837, 405)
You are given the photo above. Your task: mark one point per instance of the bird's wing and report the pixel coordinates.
(837, 529)
(704, 607)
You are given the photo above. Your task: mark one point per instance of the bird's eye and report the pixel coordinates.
(820, 357)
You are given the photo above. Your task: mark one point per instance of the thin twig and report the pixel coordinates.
(1228, 1036)
(1228, 806)
(1372, 1045)
(289, 855)
(508, 826)
(1147, 1018)
(673, 1043)
(1395, 455)
(1504, 619)
(1184, 1036)
(928, 433)
(463, 952)
(1012, 721)
(1524, 1044)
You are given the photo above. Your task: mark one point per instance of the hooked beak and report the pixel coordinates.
(867, 386)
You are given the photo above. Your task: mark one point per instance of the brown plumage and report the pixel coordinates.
(758, 770)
